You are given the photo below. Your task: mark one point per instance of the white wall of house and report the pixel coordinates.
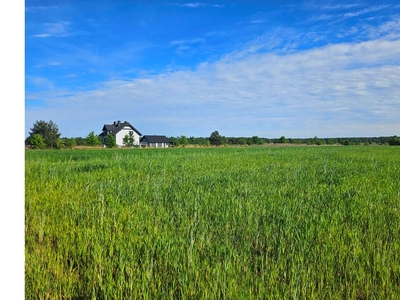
(125, 131)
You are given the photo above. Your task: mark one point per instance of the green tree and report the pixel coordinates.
(317, 141)
(257, 140)
(92, 139)
(175, 141)
(242, 141)
(70, 143)
(60, 144)
(111, 142)
(215, 138)
(282, 140)
(48, 131)
(37, 142)
(183, 141)
(394, 141)
(129, 140)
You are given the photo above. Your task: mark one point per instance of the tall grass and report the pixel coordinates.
(228, 223)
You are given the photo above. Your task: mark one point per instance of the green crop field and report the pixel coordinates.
(213, 223)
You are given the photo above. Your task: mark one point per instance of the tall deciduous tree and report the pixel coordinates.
(129, 140)
(215, 138)
(111, 142)
(183, 141)
(92, 139)
(282, 139)
(48, 131)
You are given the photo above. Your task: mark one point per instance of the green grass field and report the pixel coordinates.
(213, 223)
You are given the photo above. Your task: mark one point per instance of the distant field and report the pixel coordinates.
(213, 223)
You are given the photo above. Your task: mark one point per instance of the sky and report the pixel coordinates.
(266, 68)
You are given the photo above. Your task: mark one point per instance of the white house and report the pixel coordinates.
(156, 141)
(119, 130)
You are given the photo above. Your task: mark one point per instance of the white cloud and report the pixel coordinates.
(340, 6)
(42, 35)
(198, 4)
(192, 5)
(304, 93)
(59, 29)
(39, 8)
(365, 11)
(191, 41)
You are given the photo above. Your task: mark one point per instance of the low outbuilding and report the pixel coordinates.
(155, 141)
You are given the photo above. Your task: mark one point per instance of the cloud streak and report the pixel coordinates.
(58, 29)
(198, 4)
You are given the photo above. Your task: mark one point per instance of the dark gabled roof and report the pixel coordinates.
(117, 127)
(156, 139)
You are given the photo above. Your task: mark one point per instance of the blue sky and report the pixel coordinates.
(244, 68)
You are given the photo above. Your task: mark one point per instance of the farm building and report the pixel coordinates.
(155, 141)
(119, 130)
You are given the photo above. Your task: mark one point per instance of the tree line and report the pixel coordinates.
(255, 140)
(46, 135)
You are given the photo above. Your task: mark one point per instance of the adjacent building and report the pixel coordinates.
(155, 141)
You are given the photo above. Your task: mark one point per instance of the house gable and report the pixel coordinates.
(120, 129)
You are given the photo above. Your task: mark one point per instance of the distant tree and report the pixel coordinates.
(175, 141)
(48, 131)
(346, 142)
(282, 140)
(216, 139)
(331, 141)
(111, 142)
(257, 140)
(241, 141)
(317, 141)
(183, 141)
(193, 141)
(80, 141)
(60, 144)
(70, 143)
(37, 142)
(129, 140)
(92, 139)
(394, 141)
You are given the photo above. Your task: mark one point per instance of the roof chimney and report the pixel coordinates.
(118, 123)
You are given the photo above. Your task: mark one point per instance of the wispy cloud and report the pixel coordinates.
(58, 29)
(258, 21)
(198, 4)
(39, 8)
(365, 11)
(340, 6)
(337, 16)
(192, 41)
(40, 81)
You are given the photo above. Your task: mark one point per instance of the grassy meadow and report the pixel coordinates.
(213, 223)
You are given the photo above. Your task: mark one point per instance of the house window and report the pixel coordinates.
(131, 132)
